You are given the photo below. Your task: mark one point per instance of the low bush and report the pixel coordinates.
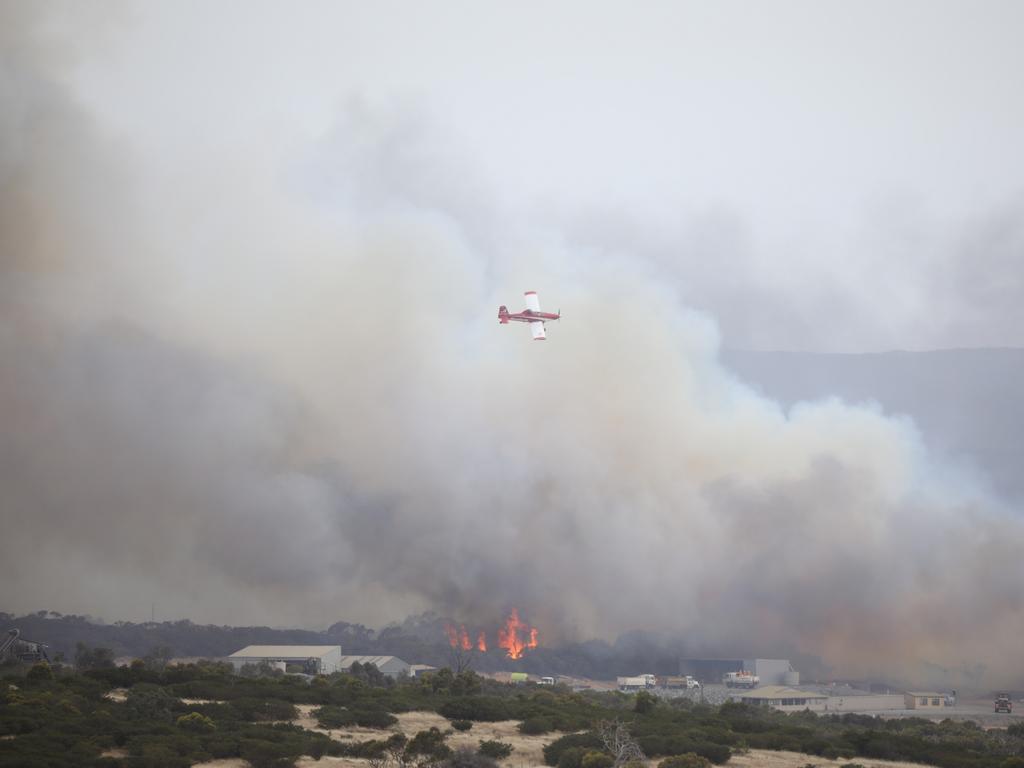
(495, 749)
(535, 726)
(465, 757)
(597, 760)
(478, 708)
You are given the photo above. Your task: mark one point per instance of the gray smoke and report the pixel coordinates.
(269, 386)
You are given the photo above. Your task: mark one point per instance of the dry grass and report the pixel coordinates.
(527, 750)
(763, 758)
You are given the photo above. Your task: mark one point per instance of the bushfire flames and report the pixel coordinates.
(515, 637)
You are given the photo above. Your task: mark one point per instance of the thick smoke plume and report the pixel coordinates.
(269, 386)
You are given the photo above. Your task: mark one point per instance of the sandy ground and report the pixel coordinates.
(527, 750)
(201, 701)
(763, 758)
(116, 694)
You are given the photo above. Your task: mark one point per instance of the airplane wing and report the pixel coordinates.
(532, 302)
(538, 331)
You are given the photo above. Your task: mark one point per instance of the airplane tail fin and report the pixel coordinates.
(503, 315)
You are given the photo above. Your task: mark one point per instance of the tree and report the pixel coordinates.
(158, 658)
(645, 702)
(93, 658)
(395, 749)
(618, 742)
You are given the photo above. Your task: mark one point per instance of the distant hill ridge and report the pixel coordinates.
(967, 403)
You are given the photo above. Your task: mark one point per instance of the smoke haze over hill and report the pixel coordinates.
(252, 372)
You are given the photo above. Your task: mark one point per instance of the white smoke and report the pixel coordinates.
(270, 386)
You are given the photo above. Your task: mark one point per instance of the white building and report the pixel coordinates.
(315, 659)
(782, 698)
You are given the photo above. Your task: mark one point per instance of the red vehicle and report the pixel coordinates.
(531, 315)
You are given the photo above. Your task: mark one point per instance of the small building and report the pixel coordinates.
(391, 666)
(783, 698)
(415, 670)
(924, 700)
(314, 659)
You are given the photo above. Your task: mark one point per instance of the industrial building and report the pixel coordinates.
(924, 700)
(314, 659)
(392, 666)
(770, 671)
(783, 698)
(14, 647)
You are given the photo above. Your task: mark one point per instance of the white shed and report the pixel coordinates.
(320, 659)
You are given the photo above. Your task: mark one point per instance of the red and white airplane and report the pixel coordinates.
(531, 315)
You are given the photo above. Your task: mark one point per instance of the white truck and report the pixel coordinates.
(637, 683)
(686, 682)
(741, 679)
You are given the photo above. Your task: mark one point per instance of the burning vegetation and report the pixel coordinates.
(515, 636)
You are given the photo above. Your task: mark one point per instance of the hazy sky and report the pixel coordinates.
(250, 262)
(836, 176)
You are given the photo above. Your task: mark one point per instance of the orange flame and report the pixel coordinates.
(481, 643)
(516, 636)
(458, 637)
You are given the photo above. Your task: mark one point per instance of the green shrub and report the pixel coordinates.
(597, 760)
(478, 708)
(337, 717)
(196, 723)
(40, 673)
(254, 709)
(462, 725)
(645, 702)
(495, 749)
(535, 726)
(428, 746)
(585, 742)
(572, 757)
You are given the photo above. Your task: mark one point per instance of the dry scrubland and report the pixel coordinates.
(526, 749)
